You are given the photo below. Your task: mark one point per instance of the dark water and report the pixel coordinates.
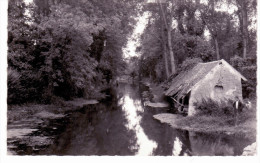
(123, 126)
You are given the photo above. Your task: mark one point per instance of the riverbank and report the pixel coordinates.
(154, 91)
(153, 96)
(208, 124)
(33, 127)
(246, 126)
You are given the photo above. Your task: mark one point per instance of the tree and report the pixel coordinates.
(56, 50)
(244, 7)
(188, 19)
(163, 11)
(214, 20)
(166, 14)
(20, 78)
(163, 35)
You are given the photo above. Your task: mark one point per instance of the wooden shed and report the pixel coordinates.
(216, 80)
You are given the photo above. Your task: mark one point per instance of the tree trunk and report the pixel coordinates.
(167, 27)
(163, 26)
(165, 60)
(244, 47)
(243, 20)
(245, 30)
(173, 66)
(217, 48)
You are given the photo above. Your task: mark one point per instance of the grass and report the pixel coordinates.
(215, 121)
(212, 108)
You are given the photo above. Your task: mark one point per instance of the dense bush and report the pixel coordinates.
(223, 112)
(214, 108)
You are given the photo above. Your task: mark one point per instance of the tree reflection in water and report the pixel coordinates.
(144, 145)
(123, 126)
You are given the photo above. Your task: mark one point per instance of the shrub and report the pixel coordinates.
(214, 108)
(222, 112)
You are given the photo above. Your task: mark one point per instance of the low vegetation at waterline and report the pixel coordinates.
(215, 119)
(223, 113)
(214, 108)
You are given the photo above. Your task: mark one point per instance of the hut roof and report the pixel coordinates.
(184, 82)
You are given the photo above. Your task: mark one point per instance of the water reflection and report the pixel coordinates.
(123, 126)
(144, 145)
(217, 145)
(177, 147)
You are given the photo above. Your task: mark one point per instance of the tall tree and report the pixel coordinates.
(213, 21)
(244, 7)
(175, 43)
(166, 13)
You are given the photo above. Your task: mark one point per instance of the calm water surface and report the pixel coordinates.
(123, 126)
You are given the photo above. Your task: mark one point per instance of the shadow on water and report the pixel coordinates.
(123, 126)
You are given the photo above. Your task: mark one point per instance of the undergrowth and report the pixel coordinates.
(221, 113)
(214, 108)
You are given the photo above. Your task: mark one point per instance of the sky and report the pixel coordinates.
(134, 40)
(28, 1)
(142, 20)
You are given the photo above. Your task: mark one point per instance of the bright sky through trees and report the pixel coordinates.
(28, 1)
(133, 41)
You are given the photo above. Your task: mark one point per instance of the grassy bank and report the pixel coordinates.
(213, 118)
(246, 123)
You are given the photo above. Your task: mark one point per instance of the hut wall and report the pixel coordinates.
(209, 87)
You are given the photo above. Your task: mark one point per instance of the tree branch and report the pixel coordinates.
(163, 14)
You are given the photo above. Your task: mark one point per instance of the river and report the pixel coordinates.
(123, 126)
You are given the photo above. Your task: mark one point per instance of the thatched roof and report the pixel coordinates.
(184, 82)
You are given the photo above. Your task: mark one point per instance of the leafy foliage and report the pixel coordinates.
(184, 45)
(189, 63)
(248, 68)
(214, 108)
(189, 46)
(222, 112)
(192, 20)
(64, 48)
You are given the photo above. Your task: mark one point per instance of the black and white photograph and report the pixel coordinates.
(129, 78)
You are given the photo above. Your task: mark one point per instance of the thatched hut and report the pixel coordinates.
(216, 80)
